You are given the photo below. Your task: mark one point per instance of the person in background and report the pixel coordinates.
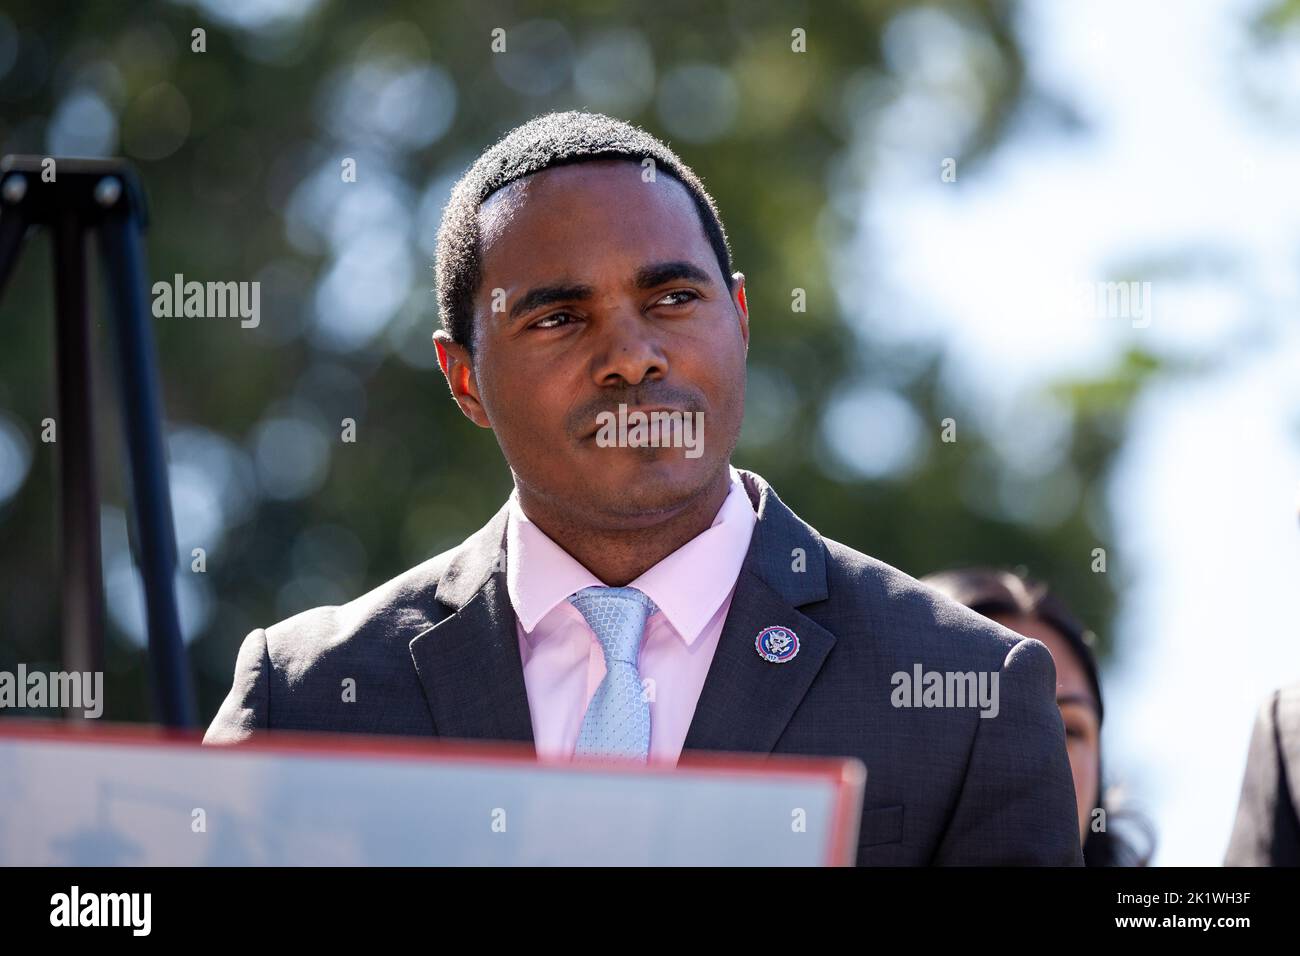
(1267, 829)
(1030, 609)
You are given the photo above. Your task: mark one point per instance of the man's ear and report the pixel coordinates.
(742, 307)
(458, 368)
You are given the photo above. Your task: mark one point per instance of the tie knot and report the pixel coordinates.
(617, 617)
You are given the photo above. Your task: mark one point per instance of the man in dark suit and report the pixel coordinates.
(1267, 831)
(637, 596)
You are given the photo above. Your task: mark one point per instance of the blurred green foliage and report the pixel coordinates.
(234, 143)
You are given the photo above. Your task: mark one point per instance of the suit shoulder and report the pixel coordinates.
(1278, 717)
(911, 616)
(1287, 704)
(392, 613)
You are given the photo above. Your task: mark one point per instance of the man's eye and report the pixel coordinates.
(553, 321)
(686, 295)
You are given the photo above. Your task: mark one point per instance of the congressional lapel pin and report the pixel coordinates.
(776, 644)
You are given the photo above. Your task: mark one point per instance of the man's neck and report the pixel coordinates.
(619, 556)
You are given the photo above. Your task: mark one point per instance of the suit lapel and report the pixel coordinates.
(746, 701)
(469, 663)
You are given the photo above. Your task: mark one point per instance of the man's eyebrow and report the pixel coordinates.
(647, 277)
(541, 295)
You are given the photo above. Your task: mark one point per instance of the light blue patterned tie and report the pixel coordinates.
(617, 722)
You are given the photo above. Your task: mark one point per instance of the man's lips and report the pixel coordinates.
(646, 410)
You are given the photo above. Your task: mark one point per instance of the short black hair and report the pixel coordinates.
(555, 139)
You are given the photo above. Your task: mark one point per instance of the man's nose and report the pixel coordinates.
(629, 352)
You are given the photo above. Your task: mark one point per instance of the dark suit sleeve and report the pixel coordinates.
(1016, 806)
(247, 706)
(1266, 832)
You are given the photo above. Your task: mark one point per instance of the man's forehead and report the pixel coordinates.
(617, 183)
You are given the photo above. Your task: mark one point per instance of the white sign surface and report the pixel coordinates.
(126, 797)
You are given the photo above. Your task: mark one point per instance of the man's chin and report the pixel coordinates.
(648, 483)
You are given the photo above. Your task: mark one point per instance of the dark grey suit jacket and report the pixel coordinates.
(1267, 831)
(434, 652)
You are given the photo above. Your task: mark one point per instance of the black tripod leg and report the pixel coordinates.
(13, 227)
(124, 275)
(83, 595)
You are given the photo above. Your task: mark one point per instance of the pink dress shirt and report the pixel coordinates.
(563, 663)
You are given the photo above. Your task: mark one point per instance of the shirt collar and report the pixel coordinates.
(688, 585)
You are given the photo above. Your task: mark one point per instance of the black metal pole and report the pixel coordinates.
(83, 596)
(13, 228)
(103, 195)
(124, 275)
